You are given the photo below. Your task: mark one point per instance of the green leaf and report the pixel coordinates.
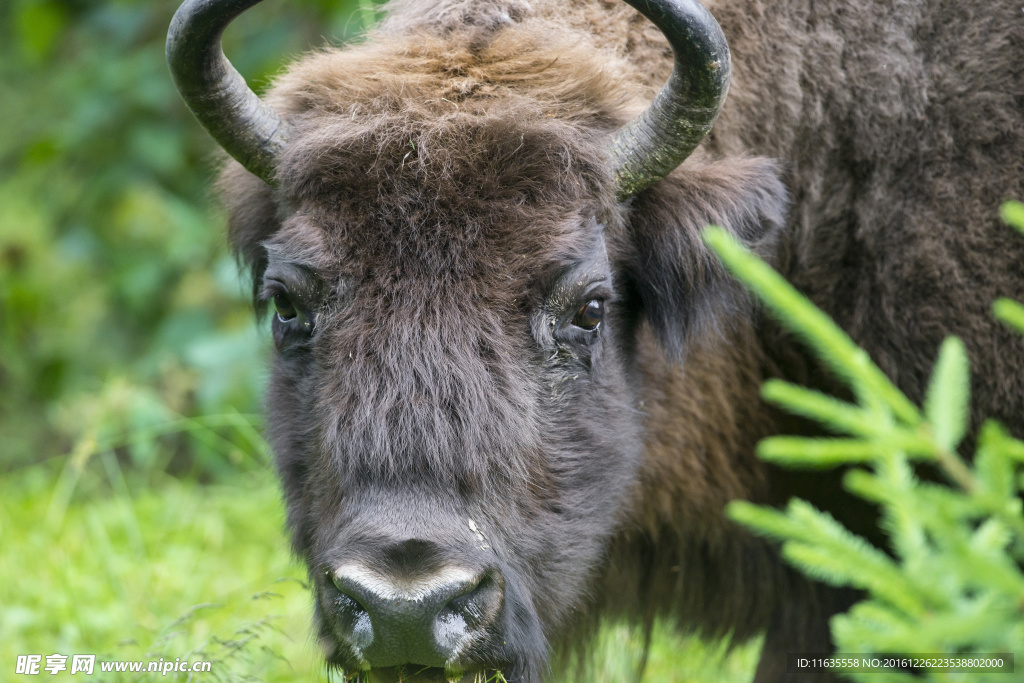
(766, 521)
(995, 435)
(1010, 312)
(841, 569)
(843, 417)
(817, 543)
(947, 502)
(946, 404)
(828, 410)
(801, 452)
(992, 537)
(993, 465)
(872, 627)
(1012, 214)
(819, 563)
(867, 486)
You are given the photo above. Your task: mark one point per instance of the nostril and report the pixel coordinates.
(354, 617)
(469, 613)
(479, 604)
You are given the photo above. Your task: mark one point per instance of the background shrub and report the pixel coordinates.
(120, 308)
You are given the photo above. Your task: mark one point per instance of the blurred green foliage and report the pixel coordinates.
(120, 307)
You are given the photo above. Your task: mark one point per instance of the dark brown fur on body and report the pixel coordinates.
(445, 175)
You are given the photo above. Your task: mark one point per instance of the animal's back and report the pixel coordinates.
(903, 128)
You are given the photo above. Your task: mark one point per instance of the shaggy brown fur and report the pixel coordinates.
(445, 174)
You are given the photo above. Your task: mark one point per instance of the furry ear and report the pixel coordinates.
(681, 286)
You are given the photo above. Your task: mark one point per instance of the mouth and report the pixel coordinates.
(412, 673)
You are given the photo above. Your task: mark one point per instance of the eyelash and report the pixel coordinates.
(269, 291)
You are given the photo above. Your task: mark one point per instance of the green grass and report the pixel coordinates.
(92, 563)
(168, 569)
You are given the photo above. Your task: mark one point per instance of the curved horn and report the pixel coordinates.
(247, 128)
(650, 146)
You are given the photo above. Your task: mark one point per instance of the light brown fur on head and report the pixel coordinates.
(428, 75)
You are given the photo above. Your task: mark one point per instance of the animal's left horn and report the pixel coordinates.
(247, 128)
(650, 146)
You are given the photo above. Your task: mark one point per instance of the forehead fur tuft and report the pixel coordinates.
(511, 119)
(413, 135)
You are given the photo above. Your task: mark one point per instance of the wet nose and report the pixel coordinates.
(427, 618)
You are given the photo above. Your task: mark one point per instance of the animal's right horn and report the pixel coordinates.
(650, 146)
(247, 128)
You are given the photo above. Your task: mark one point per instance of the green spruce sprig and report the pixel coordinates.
(950, 580)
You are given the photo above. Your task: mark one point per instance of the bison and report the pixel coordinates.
(512, 390)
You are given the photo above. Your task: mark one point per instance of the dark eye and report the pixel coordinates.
(590, 314)
(285, 308)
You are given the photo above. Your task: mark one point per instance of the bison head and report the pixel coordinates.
(461, 237)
